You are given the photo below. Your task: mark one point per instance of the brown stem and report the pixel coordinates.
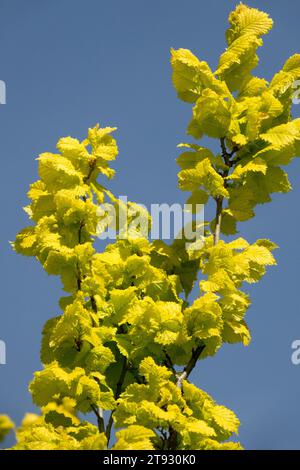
(99, 414)
(219, 199)
(223, 147)
(196, 353)
(97, 411)
(92, 165)
(81, 225)
(217, 231)
(117, 394)
(94, 305)
(168, 363)
(79, 280)
(172, 441)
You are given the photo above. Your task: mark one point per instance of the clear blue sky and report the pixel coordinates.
(69, 64)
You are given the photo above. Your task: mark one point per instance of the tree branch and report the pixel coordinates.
(219, 199)
(196, 353)
(78, 277)
(94, 305)
(168, 363)
(92, 164)
(171, 442)
(81, 225)
(99, 414)
(117, 394)
(223, 147)
(97, 411)
(218, 218)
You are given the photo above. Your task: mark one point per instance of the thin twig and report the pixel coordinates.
(99, 414)
(171, 442)
(219, 199)
(93, 303)
(79, 280)
(196, 353)
(92, 165)
(223, 147)
(97, 411)
(117, 394)
(219, 208)
(168, 363)
(81, 225)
